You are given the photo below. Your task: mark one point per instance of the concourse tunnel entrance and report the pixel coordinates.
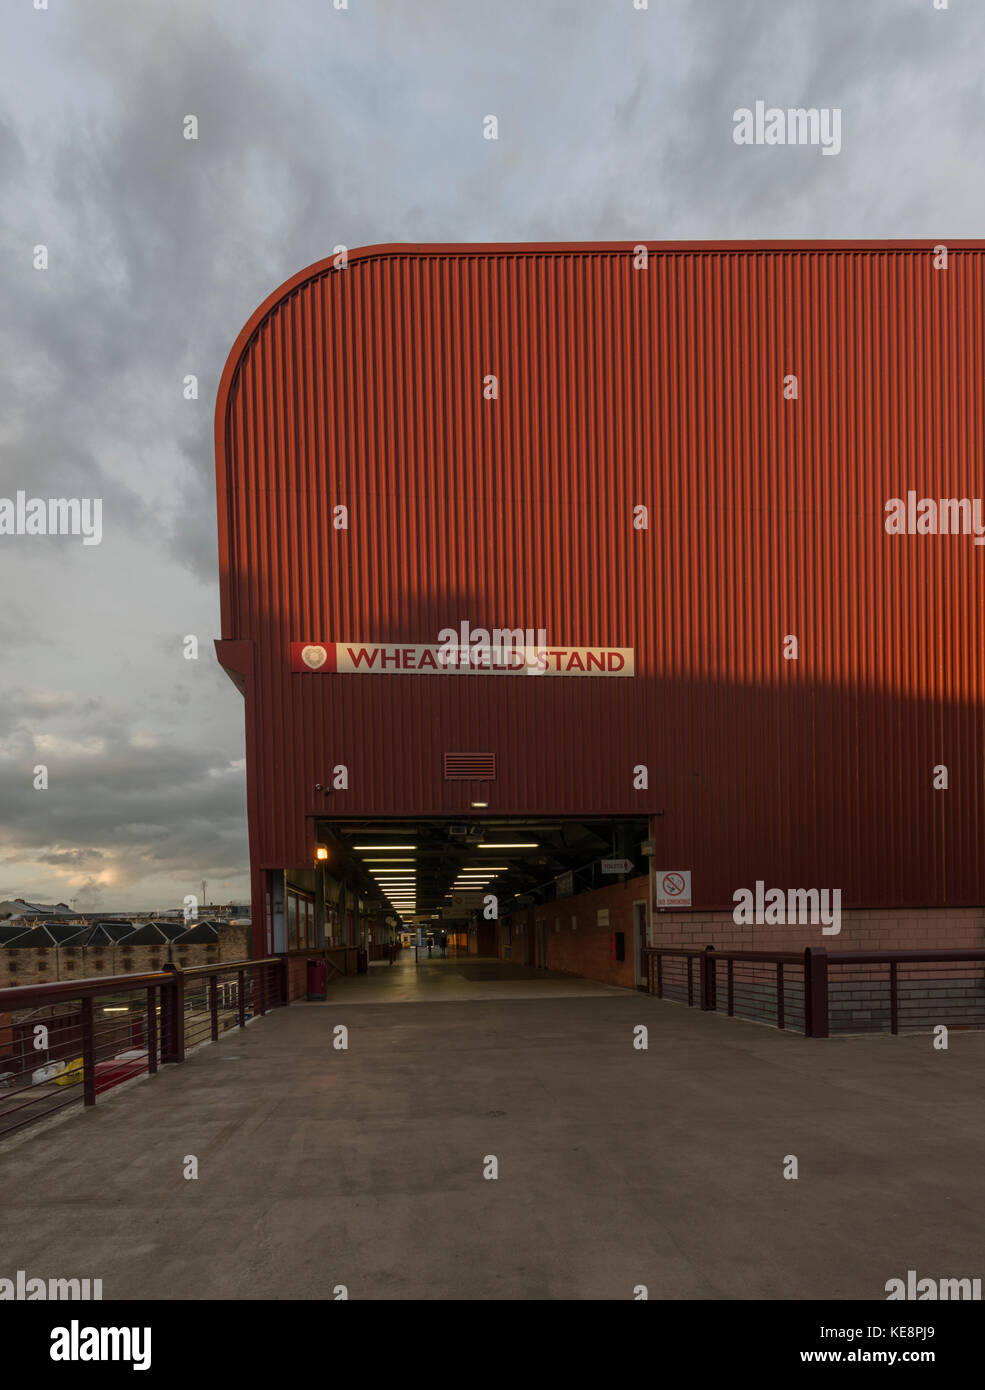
(553, 895)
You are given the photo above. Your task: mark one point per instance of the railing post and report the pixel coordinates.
(708, 980)
(151, 1029)
(214, 1006)
(88, 1052)
(173, 1016)
(816, 991)
(241, 975)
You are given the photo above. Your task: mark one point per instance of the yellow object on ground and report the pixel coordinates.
(71, 1074)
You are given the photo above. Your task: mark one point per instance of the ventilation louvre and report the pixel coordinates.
(477, 767)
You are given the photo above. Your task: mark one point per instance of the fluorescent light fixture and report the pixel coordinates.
(520, 844)
(397, 848)
(480, 803)
(487, 869)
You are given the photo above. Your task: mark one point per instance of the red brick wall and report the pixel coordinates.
(582, 945)
(878, 929)
(483, 939)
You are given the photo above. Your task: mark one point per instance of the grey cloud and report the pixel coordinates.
(317, 128)
(70, 857)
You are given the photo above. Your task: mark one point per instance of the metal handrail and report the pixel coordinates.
(220, 966)
(815, 961)
(84, 988)
(91, 1048)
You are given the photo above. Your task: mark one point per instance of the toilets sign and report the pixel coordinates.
(483, 658)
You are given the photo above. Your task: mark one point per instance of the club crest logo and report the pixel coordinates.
(314, 657)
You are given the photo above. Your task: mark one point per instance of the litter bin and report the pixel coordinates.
(317, 979)
(362, 961)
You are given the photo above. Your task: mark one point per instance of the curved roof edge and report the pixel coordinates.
(317, 269)
(515, 248)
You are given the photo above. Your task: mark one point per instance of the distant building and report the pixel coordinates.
(19, 907)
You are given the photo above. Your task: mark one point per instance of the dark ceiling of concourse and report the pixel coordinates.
(368, 853)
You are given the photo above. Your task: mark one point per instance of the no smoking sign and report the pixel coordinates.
(673, 887)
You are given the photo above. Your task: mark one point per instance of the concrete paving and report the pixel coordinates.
(616, 1167)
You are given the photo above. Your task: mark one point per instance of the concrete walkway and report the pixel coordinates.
(617, 1167)
(458, 979)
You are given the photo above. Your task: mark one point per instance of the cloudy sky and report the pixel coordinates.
(320, 126)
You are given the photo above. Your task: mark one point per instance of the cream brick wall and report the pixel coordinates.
(44, 965)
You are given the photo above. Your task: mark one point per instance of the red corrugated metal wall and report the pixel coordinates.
(618, 386)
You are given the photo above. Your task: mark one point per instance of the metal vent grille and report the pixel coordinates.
(476, 766)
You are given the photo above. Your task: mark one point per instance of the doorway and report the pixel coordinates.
(540, 945)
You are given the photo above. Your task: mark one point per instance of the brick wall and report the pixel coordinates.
(582, 944)
(876, 929)
(859, 996)
(483, 939)
(576, 941)
(43, 965)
